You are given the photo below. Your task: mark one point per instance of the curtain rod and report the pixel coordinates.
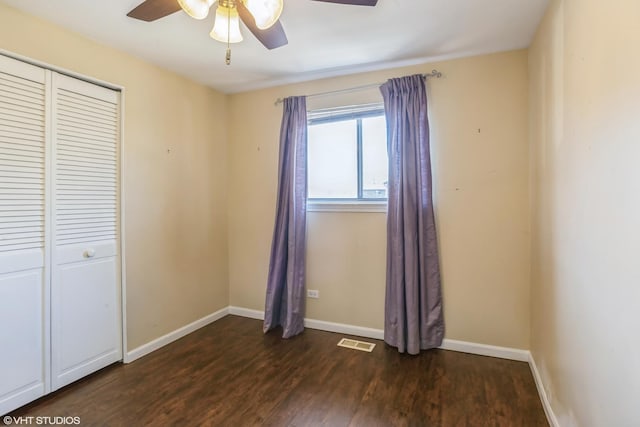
(434, 73)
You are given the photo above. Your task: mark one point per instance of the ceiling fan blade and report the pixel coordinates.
(150, 10)
(273, 37)
(353, 2)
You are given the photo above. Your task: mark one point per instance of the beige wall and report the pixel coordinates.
(585, 146)
(175, 177)
(480, 154)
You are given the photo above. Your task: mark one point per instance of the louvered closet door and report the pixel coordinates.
(86, 312)
(23, 280)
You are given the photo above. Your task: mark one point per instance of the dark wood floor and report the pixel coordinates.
(230, 374)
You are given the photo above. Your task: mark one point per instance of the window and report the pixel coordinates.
(347, 155)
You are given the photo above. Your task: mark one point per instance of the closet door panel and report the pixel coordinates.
(21, 338)
(86, 312)
(24, 284)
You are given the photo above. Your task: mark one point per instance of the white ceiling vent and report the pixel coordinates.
(356, 345)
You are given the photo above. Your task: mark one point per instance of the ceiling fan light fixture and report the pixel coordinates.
(197, 9)
(226, 25)
(265, 12)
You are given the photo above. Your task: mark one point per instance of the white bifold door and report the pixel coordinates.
(60, 290)
(85, 291)
(24, 277)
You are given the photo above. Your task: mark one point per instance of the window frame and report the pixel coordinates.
(360, 203)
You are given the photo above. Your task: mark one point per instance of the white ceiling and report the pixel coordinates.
(324, 39)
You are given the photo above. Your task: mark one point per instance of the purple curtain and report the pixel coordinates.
(413, 300)
(285, 285)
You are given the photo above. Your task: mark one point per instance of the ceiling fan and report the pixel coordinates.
(261, 17)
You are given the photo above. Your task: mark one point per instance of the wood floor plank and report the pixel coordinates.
(230, 374)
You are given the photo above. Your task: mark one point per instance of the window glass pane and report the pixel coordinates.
(333, 160)
(375, 168)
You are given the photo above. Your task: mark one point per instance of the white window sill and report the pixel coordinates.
(346, 206)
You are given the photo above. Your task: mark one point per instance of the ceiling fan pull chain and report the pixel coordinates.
(228, 57)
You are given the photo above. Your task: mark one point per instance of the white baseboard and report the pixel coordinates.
(321, 325)
(246, 312)
(485, 350)
(548, 410)
(341, 328)
(154, 345)
(378, 334)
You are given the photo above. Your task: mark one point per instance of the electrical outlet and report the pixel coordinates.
(313, 293)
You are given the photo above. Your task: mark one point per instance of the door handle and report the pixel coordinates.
(89, 253)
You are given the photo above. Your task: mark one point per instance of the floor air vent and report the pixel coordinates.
(356, 345)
